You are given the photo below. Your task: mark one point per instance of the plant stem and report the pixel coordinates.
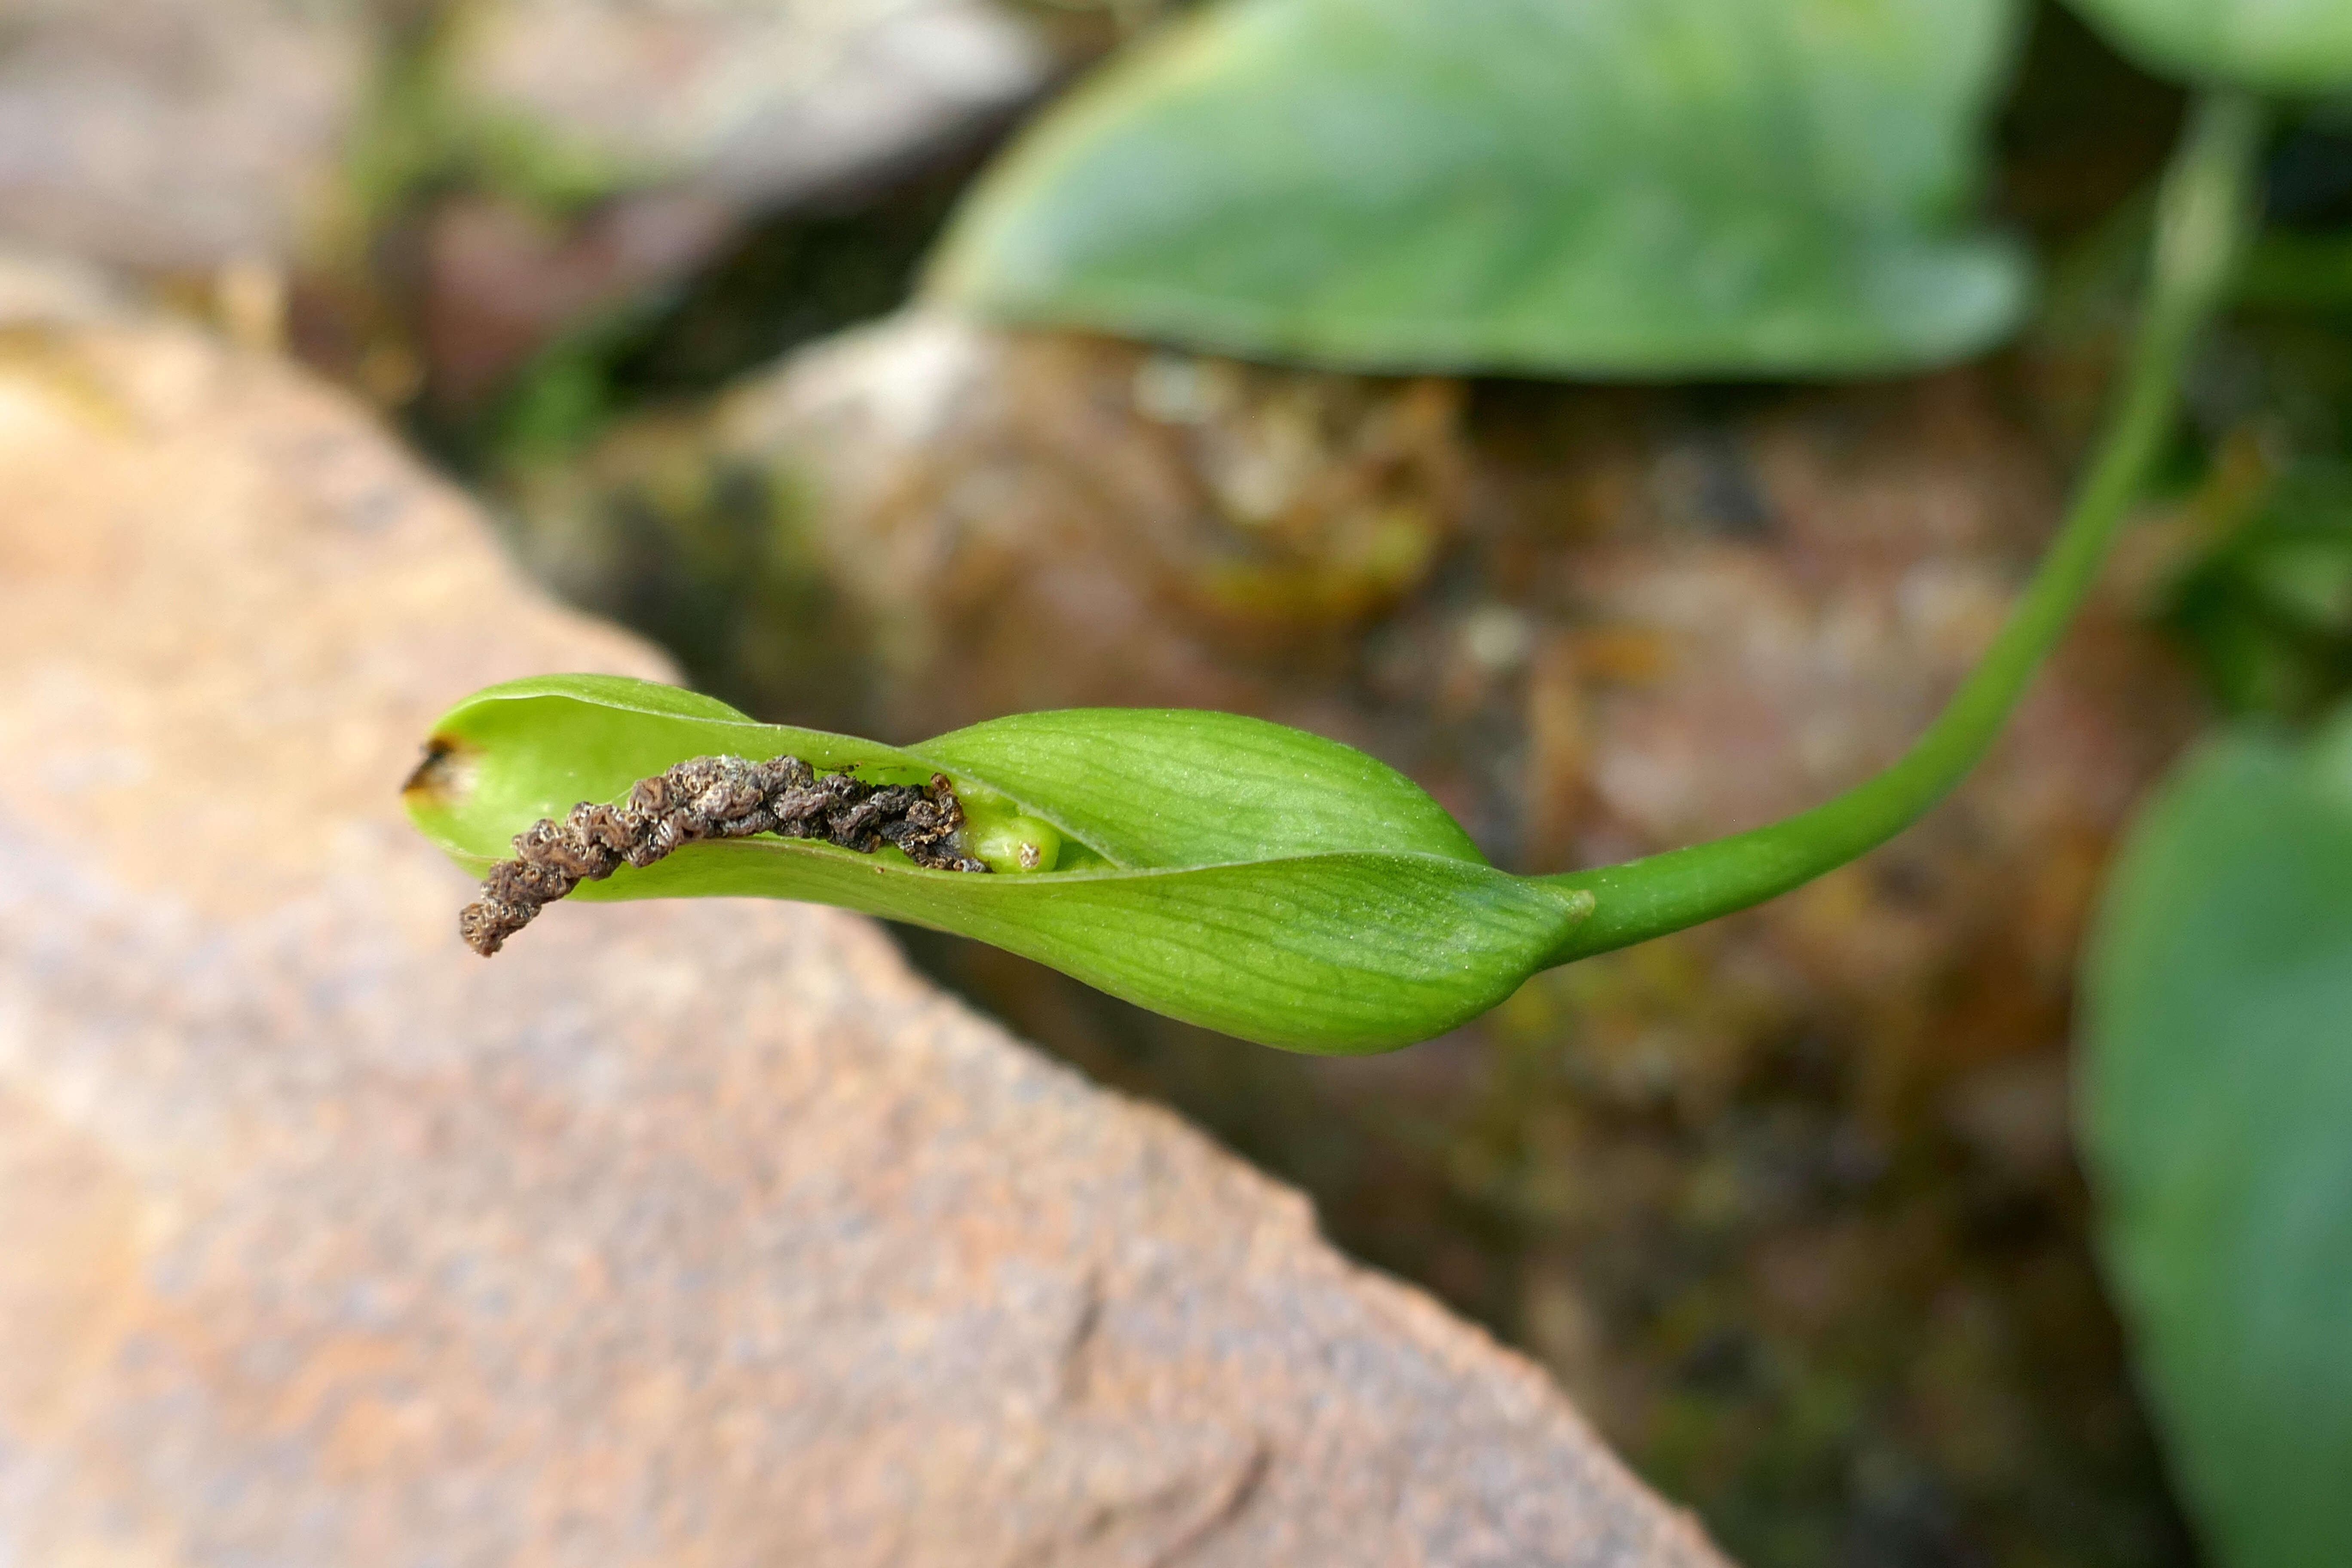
(2204, 215)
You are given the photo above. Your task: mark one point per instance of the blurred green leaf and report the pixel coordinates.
(2269, 46)
(1222, 870)
(1625, 187)
(2268, 610)
(2217, 1109)
(2299, 271)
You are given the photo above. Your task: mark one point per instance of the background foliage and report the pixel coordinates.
(1647, 187)
(2218, 1078)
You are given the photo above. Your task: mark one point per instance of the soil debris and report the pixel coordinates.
(704, 798)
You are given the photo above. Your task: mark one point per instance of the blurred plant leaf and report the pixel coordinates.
(1221, 869)
(1625, 187)
(2217, 1110)
(2269, 46)
(2299, 271)
(2268, 610)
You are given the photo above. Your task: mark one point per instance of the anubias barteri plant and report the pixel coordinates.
(1223, 871)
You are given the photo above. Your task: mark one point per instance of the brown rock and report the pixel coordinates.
(954, 522)
(683, 1234)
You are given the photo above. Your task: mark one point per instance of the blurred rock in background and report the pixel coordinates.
(764, 106)
(428, 194)
(923, 520)
(177, 138)
(595, 156)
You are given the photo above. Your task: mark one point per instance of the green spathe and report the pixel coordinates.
(2216, 1108)
(1619, 187)
(2266, 45)
(1221, 869)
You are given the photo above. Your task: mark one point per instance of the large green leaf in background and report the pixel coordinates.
(2217, 1110)
(2275, 45)
(1223, 871)
(1590, 187)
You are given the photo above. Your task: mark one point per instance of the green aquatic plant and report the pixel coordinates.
(2216, 1075)
(1232, 873)
(1637, 187)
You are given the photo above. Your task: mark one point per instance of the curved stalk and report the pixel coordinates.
(2203, 221)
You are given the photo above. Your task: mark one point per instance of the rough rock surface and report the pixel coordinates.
(682, 1234)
